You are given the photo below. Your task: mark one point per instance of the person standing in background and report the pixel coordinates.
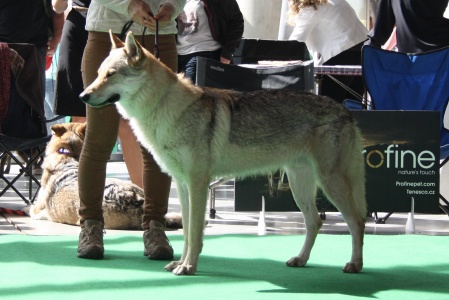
(69, 82)
(23, 21)
(420, 25)
(334, 35)
(208, 28)
(373, 6)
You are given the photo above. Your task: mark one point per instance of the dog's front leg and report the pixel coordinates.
(38, 211)
(197, 211)
(183, 195)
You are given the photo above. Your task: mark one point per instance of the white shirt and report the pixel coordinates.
(331, 29)
(104, 15)
(194, 33)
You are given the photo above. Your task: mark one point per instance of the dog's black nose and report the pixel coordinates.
(85, 98)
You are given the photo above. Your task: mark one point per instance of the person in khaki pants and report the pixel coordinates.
(104, 124)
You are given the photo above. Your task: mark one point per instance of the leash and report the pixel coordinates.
(156, 41)
(7, 211)
(128, 24)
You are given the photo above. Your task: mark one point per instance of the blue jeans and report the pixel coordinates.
(187, 63)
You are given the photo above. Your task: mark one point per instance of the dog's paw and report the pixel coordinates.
(171, 266)
(352, 267)
(34, 213)
(40, 215)
(173, 221)
(27, 209)
(296, 261)
(184, 269)
(178, 268)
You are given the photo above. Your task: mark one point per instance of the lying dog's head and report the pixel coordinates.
(67, 139)
(120, 75)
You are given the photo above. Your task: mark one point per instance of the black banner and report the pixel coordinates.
(401, 151)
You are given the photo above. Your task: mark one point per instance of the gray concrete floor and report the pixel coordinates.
(227, 221)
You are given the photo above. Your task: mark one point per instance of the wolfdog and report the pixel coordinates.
(199, 134)
(58, 199)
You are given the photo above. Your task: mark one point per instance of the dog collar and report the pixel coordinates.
(63, 151)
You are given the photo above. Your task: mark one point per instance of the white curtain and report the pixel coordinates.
(284, 29)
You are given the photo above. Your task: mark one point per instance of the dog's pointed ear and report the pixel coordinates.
(133, 50)
(116, 42)
(81, 130)
(58, 129)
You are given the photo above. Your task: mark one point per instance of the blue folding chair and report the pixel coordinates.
(401, 81)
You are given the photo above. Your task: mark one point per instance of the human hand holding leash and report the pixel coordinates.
(164, 16)
(139, 12)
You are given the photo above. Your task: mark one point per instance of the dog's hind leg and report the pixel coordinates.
(303, 186)
(346, 191)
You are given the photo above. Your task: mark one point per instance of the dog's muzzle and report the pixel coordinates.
(111, 100)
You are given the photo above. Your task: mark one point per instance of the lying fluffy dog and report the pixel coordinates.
(58, 198)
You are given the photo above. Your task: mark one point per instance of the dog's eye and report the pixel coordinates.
(110, 73)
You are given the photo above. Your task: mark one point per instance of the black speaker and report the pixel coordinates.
(251, 51)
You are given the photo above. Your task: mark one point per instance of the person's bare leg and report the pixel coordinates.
(131, 153)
